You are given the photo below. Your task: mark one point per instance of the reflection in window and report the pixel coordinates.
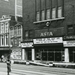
(43, 15)
(48, 14)
(59, 12)
(38, 16)
(53, 13)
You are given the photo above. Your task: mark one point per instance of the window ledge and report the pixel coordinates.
(49, 20)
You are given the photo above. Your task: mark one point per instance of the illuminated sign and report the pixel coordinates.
(27, 44)
(69, 43)
(48, 40)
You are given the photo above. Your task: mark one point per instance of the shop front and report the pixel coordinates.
(27, 48)
(69, 45)
(49, 49)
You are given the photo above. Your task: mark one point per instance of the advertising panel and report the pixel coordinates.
(48, 40)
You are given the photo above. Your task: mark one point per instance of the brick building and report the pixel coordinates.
(48, 30)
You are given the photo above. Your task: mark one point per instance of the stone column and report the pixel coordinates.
(66, 55)
(33, 54)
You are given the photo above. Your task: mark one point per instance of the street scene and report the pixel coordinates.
(37, 37)
(18, 69)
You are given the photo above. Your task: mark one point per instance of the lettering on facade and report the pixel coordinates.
(26, 44)
(69, 37)
(69, 43)
(48, 40)
(46, 34)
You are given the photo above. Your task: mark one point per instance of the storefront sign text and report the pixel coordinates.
(69, 37)
(43, 34)
(26, 44)
(48, 40)
(69, 43)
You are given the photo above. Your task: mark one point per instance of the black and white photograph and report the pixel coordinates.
(37, 37)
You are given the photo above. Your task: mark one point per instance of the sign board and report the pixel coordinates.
(69, 43)
(27, 44)
(49, 32)
(69, 37)
(48, 40)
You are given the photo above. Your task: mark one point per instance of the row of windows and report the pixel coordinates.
(17, 31)
(4, 40)
(28, 34)
(4, 27)
(16, 41)
(48, 14)
(70, 30)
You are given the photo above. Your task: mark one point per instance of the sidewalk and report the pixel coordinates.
(4, 73)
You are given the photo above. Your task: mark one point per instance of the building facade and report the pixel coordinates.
(15, 40)
(48, 30)
(13, 9)
(4, 36)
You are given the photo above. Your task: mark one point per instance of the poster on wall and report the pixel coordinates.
(16, 54)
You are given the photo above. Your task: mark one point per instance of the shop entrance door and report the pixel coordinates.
(57, 56)
(29, 55)
(50, 56)
(74, 57)
(44, 56)
(72, 54)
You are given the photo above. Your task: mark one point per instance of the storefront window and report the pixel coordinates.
(72, 54)
(49, 54)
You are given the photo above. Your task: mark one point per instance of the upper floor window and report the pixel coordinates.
(38, 16)
(2, 40)
(59, 12)
(19, 30)
(43, 15)
(15, 30)
(6, 27)
(70, 30)
(53, 13)
(2, 27)
(11, 31)
(48, 14)
(7, 40)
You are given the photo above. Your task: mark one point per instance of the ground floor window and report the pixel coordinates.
(72, 54)
(29, 54)
(49, 54)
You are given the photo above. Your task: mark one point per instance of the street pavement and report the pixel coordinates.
(18, 69)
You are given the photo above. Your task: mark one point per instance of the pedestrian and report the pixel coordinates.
(8, 66)
(2, 57)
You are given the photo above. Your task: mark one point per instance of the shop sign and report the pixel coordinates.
(43, 34)
(49, 32)
(69, 43)
(26, 44)
(48, 40)
(69, 37)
